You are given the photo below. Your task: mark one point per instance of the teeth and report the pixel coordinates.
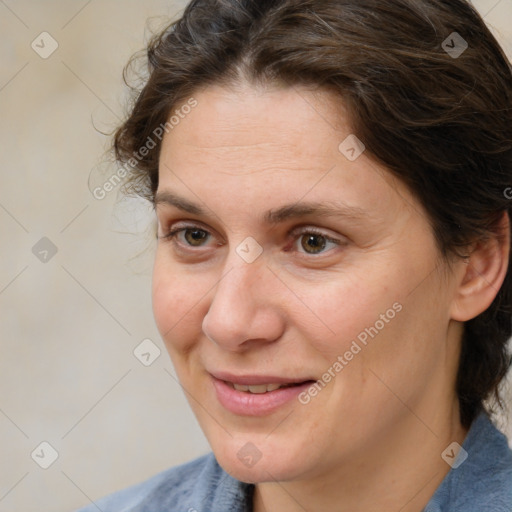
(259, 389)
(240, 387)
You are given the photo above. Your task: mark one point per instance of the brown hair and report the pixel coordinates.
(439, 121)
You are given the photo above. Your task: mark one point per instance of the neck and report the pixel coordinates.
(400, 471)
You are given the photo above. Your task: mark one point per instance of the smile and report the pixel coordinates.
(258, 389)
(252, 396)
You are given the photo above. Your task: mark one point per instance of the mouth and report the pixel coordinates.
(257, 395)
(259, 389)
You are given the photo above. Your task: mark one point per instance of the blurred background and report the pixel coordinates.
(90, 402)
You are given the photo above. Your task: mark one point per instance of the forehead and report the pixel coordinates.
(284, 123)
(276, 145)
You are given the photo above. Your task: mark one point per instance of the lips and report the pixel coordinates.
(259, 388)
(256, 395)
(255, 380)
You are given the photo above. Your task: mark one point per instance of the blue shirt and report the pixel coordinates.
(482, 483)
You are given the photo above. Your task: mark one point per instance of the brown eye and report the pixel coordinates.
(313, 243)
(195, 237)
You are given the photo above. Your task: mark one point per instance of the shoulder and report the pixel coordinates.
(188, 487)
(484, 479)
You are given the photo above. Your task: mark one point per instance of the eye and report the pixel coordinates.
(192, 236)
(195, 237)
(311, 241)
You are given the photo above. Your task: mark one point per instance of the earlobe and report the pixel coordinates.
(483, 273)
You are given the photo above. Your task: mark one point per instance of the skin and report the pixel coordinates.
(372, 439)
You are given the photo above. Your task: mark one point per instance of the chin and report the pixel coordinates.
(259, 461)
(261, 471)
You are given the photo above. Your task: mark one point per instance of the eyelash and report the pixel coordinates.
(295, 233)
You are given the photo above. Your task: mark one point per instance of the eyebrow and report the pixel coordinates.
(274, 216)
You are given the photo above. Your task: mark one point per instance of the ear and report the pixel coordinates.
(483, 273)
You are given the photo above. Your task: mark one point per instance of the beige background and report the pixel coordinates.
(69, 326)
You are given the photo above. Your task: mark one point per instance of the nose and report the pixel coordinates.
(244, 309)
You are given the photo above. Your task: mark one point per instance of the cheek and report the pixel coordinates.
(378, 316)
(346, 309)
(176, 297)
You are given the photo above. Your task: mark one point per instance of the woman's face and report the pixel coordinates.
(292, 261)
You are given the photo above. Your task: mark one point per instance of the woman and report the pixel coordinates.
(332, 273)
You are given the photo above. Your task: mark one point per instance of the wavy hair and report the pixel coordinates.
(440, 122)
